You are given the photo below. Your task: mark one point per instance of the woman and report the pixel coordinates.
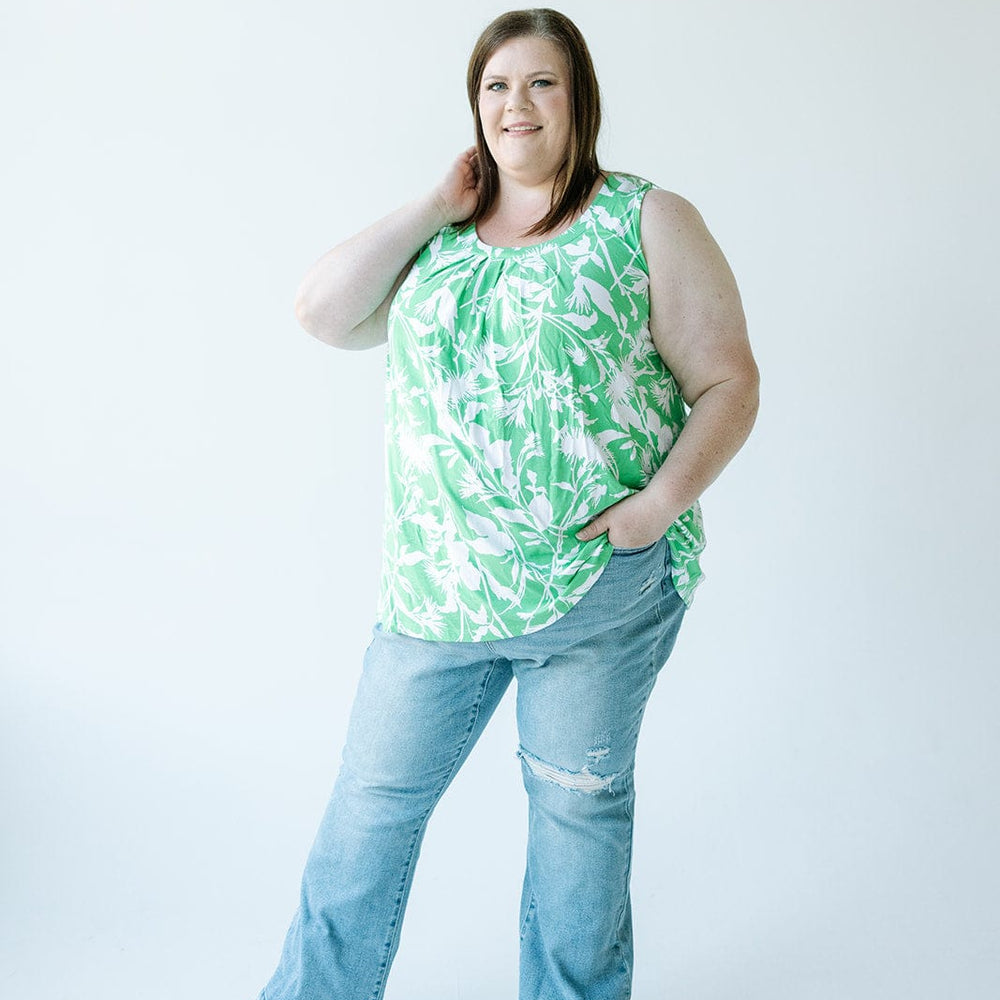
(547, 323)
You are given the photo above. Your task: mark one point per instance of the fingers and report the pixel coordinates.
(589, 532)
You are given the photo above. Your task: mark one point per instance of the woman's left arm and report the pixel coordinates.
(698, 327)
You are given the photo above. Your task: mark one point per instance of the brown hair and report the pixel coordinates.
(576, 177)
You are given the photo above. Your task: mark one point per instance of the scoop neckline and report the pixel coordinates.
(564, 237)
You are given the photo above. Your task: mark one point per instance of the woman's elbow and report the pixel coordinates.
(751, 378)
(328, 330)
(316, 324)
(750, 385)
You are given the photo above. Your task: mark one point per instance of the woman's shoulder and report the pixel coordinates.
(664, 221)
(677, 243)
(634, 203)
(656, 197)
(669, 212)
(650, 201)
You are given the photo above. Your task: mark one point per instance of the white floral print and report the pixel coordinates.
(523, 396)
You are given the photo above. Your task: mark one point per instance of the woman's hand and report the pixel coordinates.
(458, 194)
(345, 296)
(631, 523)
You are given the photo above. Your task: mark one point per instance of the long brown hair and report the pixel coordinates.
(576, 176)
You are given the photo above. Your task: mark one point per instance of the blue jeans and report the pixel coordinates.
(582, 686)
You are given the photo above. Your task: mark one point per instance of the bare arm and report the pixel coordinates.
(698, 328)
(344, 298)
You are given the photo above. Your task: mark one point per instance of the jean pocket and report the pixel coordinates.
(616, 551)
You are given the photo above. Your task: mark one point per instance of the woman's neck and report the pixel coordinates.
(518, 207)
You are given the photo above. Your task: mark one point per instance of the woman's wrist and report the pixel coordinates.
(660, 502)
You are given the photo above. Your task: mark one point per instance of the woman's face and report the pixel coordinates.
(524, 108)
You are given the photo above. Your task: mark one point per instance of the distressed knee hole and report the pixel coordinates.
(583, 780)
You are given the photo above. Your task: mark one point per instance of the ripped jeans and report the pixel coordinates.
(582, 687)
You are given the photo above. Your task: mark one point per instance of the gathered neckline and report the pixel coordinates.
(564, 237)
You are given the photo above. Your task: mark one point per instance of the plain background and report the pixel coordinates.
(191, 496)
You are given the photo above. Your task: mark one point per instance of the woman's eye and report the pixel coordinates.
(543, 83)
(495, 86)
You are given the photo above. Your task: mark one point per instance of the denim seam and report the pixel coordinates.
(528, 914)
(396, 925)
(477, 704)
(629, 798)
(629, 783)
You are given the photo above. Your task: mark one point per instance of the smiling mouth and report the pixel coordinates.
(523, 128)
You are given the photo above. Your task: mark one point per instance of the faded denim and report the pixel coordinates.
(582, 687)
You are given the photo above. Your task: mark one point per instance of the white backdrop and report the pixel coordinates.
(190, 496)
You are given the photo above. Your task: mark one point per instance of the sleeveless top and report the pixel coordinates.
(523, 396)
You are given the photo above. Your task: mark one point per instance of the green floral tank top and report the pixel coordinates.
(523, 396)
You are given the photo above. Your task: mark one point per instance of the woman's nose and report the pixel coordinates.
(517, 98)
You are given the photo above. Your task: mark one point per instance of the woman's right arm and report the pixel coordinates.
(344, 298)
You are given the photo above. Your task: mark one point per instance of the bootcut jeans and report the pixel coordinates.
(582, 686)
